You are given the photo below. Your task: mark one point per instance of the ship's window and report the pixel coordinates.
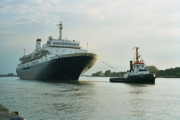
(142, 65)
(34, 62)
(143, 70)
(26, 68)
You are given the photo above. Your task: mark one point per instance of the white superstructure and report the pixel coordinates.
(136, 68)
(54, 48)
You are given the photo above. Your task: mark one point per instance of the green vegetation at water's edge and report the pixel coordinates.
(108, 73)
(167, 73)
(8, 75)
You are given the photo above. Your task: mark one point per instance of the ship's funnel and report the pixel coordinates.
(38, 43)
(131, 65)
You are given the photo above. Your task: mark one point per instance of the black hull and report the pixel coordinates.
(148, 78)
(61, 69)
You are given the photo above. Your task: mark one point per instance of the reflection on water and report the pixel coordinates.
(138, 100)
(91, 98)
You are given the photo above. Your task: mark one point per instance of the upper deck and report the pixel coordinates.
(63, 43)
(53, 47)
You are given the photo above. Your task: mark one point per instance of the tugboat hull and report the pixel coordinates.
(148, 78)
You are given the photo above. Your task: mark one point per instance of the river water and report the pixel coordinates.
(92, 98)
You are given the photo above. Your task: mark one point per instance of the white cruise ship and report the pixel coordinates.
(58, 59)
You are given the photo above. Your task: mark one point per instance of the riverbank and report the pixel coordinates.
(122, 77)
(167, 73)
(8, 76)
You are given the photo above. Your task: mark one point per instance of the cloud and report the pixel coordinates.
(111, 28)
(92, 9)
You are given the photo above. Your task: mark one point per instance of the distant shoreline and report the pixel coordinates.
(122, 77)
(167, 73)
(113, 76)
(7, 76)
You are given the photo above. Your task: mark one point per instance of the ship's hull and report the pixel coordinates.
(61, 69)
(148, 78)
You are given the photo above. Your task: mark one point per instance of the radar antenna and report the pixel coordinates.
(60, 26)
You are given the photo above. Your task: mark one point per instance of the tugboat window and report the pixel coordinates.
(143, 70)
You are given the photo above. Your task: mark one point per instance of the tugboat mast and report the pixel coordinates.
(137, 56)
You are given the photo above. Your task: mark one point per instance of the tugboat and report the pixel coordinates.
(137, 73)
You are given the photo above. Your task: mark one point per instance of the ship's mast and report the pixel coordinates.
(60, 26)
(24, 52)
(137, 55)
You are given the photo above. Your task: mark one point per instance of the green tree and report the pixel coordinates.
(10, 74)
(178, 75)
(113, 74)
(167, 72)
(108, 73)
(161, 73)
(97, 73)
(176, 70)
(94, 74)
(152, 69)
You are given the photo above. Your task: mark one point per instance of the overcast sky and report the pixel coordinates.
(110, 27)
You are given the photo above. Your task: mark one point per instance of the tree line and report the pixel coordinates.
(167, 73)
(9, 74)
(108, 73)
